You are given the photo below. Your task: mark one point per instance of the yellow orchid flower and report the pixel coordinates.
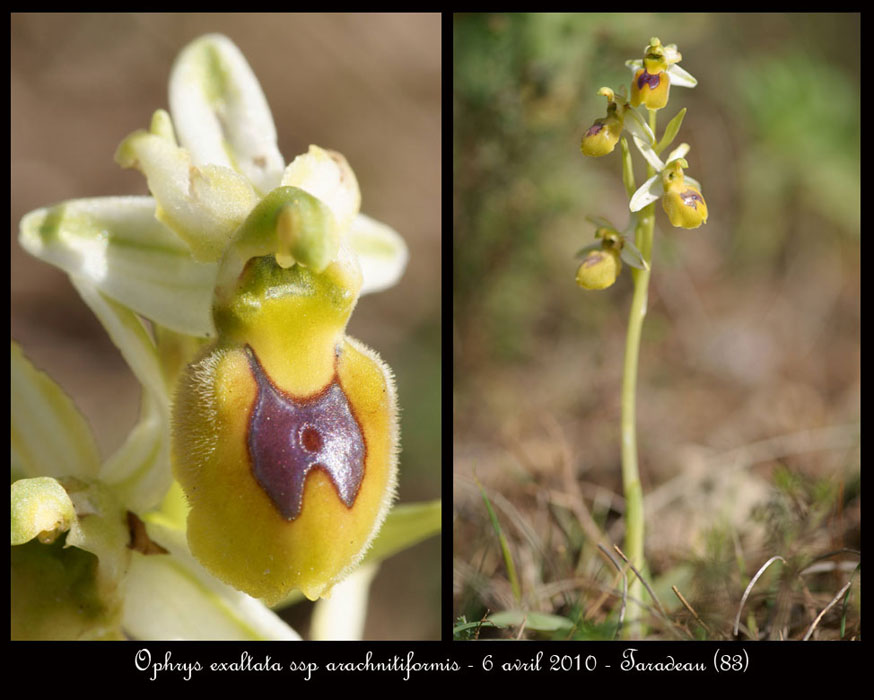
(228, 292)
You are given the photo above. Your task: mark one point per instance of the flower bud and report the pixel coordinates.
(285, 435)
(599, 269)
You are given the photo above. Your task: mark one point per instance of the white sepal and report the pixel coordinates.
(681, 77)
(221, 114)
(382, 253)
(139, 471)
(171, 596)
(647, 193)
(117, 244)
(50, 437)
(341, 617)
(649, 154)
(638, 127)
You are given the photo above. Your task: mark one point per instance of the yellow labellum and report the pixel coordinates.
(285, 437)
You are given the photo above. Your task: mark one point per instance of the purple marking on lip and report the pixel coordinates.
(650, 79)
(594, 129)
(691, 198)
(289, 437)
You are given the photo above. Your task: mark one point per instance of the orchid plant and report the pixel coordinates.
(682, 201)
(263, 466)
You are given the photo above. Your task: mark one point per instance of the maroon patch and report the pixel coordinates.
(691, 198)
(289, 437)
(595, 129)
(652, 80)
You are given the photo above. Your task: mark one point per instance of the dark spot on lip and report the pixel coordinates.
(593, 259)
(594, 129)
(691, 198)
(289, 437)
(311, 438)
(650, 79)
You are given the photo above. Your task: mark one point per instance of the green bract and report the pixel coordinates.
(99, 545)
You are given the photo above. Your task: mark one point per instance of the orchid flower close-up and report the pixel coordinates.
(263, 467)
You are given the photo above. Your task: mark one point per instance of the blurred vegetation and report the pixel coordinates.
(749, 377)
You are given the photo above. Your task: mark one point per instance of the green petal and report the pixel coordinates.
(171, 596)
(632, 256)
(221, 114)
(381, 253)
(117, 244)
(49, 435)
(203, 204)
(140, 468)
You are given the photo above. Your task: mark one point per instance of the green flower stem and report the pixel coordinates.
(634, 516)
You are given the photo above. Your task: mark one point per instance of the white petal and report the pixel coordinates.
(381, 253)
(171, 596)
(221, 114)
(50, 437)
(680, 77)
(647, 193)
(635, 64)
(118, 245)
(649, 154)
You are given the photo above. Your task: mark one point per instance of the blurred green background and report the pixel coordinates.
(367, 85)
(750, 358)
